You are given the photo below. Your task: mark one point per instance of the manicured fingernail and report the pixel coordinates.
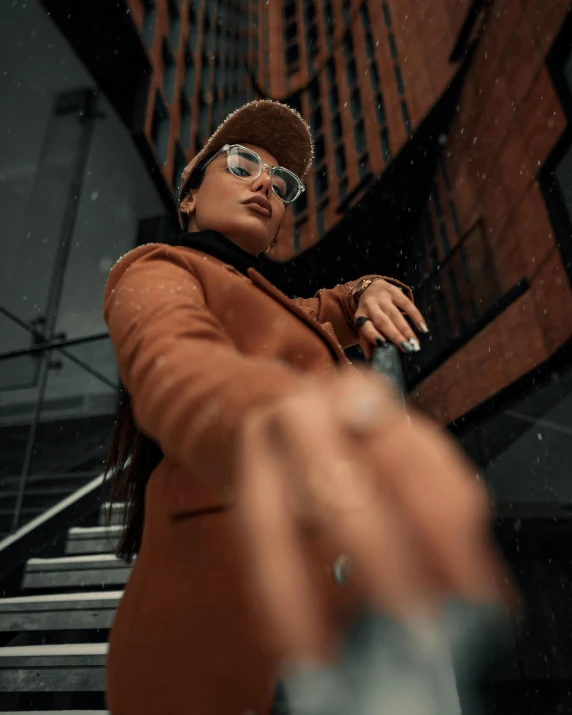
(414, 345)
(361, 321)
(380, 342)
(405, 345)
(423, 328)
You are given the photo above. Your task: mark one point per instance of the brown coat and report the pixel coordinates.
(198, 344)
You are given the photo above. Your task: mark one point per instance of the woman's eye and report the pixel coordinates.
(279, 190)
(240, 171)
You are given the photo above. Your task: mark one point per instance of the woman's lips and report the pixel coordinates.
(258, 209)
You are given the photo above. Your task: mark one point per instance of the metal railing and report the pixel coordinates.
(458, 298)
(54, 430)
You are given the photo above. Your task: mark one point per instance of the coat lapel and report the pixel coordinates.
(287, 303)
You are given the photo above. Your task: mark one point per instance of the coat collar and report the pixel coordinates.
(218, 246)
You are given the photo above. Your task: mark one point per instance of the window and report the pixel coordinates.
(380, 108)
(174, 23)
(364, 17)
(189, 79)
(295, 103)
(385, 149)
(301, 204)
(160, 128)
(351, 73)
(386, 15)
(314, 92)
(297, 231)
(347, 45)
(363, 166)
(290, 32)
(334, 99)
(359, 137)
(398, 79)
(337, 128)
(392, 45)
(205, 72)
(346, 11)
(312, 41)
(316, 119)
(320, 148)
(169, 71)
(289, 10)
(369, 47)
(292, 55)
(374, 77)
(309, 12)
(331, 71)
(198, 143)
(203, 117)
(320, 210)
(340, 160)
(355, 103)
(179, 164)
(149, 20)
(185, 113)
(321, 182)
(193, 29)
(328, 18)
(405, 115)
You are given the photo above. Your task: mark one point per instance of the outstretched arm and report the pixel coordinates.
(338, 307)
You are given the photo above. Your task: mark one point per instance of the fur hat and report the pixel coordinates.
(271, 125)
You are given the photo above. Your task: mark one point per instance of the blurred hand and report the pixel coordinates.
(380, 317)
(390, 491)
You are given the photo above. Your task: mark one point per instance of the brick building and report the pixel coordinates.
(366, 75)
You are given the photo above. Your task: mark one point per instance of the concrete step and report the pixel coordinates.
(76, 572)
(54, 612)
(53, 668)
(116, 513)
(93, 539)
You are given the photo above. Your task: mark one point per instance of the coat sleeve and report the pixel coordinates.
(335, 306)
(190, 387)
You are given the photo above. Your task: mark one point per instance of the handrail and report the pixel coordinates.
(52, 345)
(56, 345)
(32, 538)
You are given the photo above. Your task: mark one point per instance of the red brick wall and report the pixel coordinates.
(509, 120)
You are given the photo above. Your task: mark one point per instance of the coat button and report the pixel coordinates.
(341, 570)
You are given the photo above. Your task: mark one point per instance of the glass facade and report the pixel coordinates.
(73, 191)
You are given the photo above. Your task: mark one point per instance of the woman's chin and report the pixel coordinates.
(252, 236)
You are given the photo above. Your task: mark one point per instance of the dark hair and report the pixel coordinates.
(133, 456)
(194, 181)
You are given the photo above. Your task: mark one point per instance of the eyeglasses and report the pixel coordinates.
(245, 164)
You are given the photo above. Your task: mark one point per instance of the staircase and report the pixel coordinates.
(53, 635)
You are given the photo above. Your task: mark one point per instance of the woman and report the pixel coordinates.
(256, 460)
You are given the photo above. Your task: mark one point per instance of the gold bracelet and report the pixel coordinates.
(361, 287)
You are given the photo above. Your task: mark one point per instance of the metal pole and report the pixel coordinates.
(84, 105)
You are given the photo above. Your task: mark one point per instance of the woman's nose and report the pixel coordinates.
(264, 181)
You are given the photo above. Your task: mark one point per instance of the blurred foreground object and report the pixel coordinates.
(386, 360)
(393, 668)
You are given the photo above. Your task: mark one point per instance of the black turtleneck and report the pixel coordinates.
(217, 245)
